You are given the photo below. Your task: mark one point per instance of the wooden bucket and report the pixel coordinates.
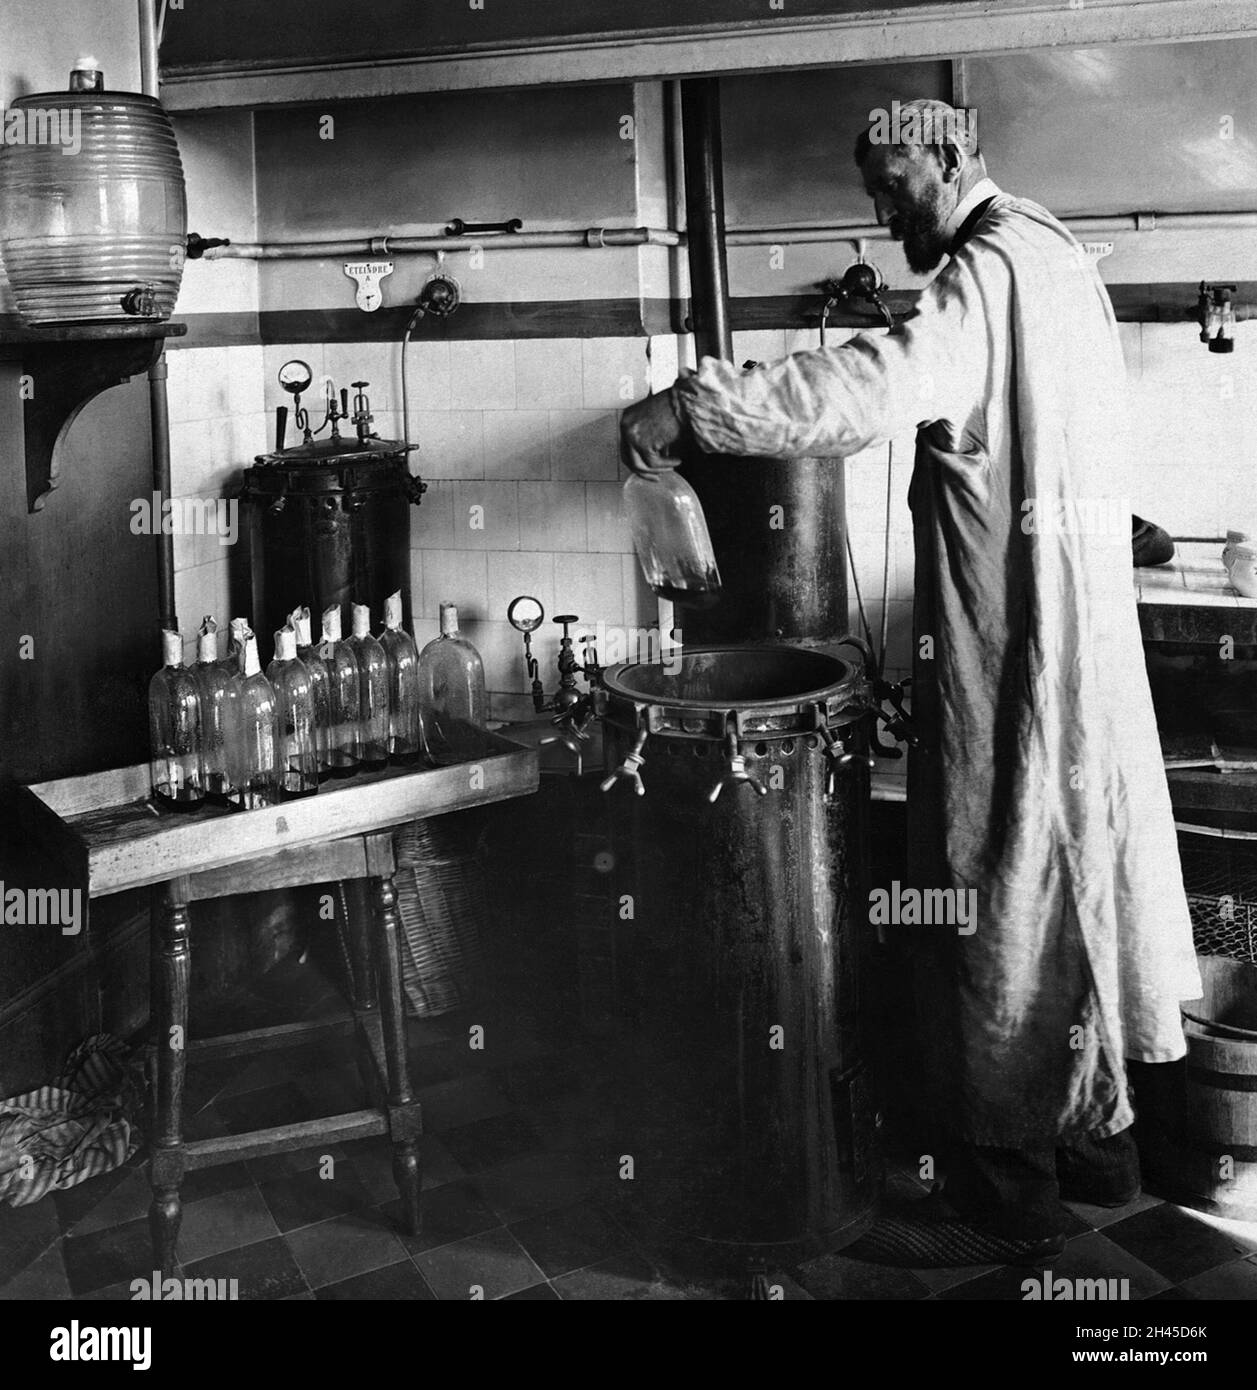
(1207, 1157)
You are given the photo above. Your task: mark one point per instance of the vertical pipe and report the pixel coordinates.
(784, 582)
(159, 418)
(148, 47)
(705, 217)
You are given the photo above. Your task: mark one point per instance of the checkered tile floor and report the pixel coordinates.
(518, 1196)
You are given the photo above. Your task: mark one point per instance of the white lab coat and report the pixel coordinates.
(1042, 786)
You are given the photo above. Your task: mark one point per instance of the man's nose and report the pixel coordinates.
(883, 209)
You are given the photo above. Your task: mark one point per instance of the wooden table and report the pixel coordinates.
(102, 834)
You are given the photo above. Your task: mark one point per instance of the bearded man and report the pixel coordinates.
(1041, 783)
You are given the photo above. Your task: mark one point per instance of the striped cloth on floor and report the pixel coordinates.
(79, 1126)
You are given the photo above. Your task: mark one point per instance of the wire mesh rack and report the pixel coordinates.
(1220, 876)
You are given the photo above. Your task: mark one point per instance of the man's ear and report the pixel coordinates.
(951, 160)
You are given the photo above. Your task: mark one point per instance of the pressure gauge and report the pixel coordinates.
(525, 613)
(295, 376)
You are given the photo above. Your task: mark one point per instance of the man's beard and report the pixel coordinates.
(924, 234)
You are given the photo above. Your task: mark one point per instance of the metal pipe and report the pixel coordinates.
(159, 420)
(592, 237)
(148, 47)
(603, 237)
(705, 217)
(1124, 222)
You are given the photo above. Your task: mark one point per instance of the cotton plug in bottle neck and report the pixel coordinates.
(449, 620)
(299, 619)
(393, 611)
(362, 620)
(207, 641)
(171, 649)
(252, 666)
(285, 644)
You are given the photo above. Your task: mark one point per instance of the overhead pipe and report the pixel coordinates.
(595, 238)
(1122, 222)
(609, 237)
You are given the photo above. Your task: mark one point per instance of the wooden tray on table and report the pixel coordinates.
(105, 833)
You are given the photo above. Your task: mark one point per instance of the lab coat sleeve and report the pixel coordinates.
(832, 402)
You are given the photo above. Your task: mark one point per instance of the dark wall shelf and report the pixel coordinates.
(68, 366)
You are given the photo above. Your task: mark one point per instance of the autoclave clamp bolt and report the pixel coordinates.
(628, 769)
(737, 772)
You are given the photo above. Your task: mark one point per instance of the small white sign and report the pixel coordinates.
(1097, 250)
(368, 274)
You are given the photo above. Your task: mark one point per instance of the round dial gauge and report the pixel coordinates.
(525, 613)
(295, 376)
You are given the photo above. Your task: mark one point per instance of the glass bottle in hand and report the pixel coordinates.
(294, 718)
(372, 691)
(451, 682)
(671, 538)
(174, 724)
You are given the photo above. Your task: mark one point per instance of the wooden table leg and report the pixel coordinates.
(171, 963)
(405, 1121)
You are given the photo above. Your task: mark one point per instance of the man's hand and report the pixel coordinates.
(652, 434)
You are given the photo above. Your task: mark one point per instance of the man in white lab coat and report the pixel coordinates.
(1041, 784)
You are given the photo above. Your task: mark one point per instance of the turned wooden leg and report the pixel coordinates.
(405, 1122)
(171, 961)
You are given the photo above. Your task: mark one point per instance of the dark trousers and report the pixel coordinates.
(1016, 1193)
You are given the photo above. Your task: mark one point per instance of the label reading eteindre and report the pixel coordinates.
(368, 274)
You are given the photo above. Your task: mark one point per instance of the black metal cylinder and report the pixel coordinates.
(328, 527)
(779, 530)
(748, 1112)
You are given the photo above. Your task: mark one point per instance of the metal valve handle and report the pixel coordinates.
(628, 769)
(737, 771)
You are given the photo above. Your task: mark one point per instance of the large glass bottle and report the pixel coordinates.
(320, 690)
(219, 689)
(451, 686)
(405, 712)
(174, 724)
(671, 538)
(255, 770)
(294, 718)
(372, 690)
(345, 713)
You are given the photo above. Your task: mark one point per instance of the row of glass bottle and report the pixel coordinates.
(223, 730)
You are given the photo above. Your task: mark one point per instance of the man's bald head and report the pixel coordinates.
(918, 160)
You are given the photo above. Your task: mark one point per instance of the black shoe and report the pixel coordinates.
(1096, 1194)
(931, 1235)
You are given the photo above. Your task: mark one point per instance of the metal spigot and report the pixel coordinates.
(1215, 312)
(737, 772)
(628, 769)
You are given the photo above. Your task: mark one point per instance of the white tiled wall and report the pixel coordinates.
(518, 444)
(217, 425)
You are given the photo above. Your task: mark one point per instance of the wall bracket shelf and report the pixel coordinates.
(70, 365)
